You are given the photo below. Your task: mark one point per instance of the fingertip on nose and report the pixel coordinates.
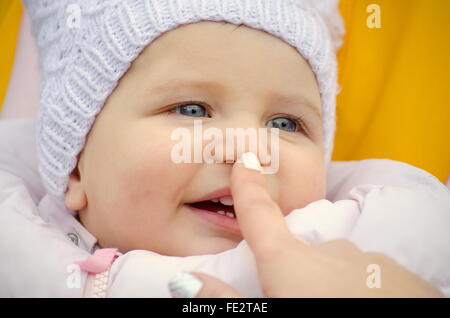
(250, 161)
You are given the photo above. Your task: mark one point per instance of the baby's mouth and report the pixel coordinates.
(217, 209)
(223, 206)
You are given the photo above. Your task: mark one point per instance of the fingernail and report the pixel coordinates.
(184, 285)
(251, 161)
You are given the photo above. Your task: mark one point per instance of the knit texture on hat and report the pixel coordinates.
(82, 61)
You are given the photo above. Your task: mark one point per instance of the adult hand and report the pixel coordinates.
(288, 267)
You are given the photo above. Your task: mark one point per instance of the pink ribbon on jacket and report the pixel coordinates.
(98, 262)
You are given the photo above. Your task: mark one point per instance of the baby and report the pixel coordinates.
(120, 77)
(225, 76)
(126, 188)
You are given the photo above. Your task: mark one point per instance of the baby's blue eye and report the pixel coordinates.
(283, 123)
(192, 110)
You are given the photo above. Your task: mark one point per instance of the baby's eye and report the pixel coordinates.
(192, 110)
(284, 123)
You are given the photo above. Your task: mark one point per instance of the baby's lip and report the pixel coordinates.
(223, 222)
(217, 194)
(210, 211)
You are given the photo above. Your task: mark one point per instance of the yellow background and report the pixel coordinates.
(10, 14)
(395, 99)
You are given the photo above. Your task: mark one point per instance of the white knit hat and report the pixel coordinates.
(82, 61)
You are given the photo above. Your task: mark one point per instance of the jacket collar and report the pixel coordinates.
(55, 212)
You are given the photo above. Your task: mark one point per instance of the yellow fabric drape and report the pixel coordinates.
(395, 84)
(10, 15)
(394, 80)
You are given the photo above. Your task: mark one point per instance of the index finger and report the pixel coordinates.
(260, 219)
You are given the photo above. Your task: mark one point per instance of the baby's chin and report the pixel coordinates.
(214, 245)
(204, 246)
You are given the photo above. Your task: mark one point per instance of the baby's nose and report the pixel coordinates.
(238, 140)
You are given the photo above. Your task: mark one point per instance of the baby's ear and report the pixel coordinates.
(75, 196)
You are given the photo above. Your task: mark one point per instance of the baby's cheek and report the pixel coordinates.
(300, 182)
(151, 180)
(147, 186)
(145, 175)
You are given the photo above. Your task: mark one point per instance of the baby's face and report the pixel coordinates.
(129, 192)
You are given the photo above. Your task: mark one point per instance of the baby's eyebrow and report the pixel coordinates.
(296, 99)
(278, 97)
(176, 84)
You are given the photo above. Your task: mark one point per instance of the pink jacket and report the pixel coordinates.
(381, 205)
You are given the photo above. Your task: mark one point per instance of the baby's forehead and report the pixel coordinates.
(206, 42)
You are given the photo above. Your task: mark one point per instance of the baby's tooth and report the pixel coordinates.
(215, 200)
(226, 200)
(221, 212)
(231, 215)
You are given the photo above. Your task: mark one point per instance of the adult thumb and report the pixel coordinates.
(200, 285)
